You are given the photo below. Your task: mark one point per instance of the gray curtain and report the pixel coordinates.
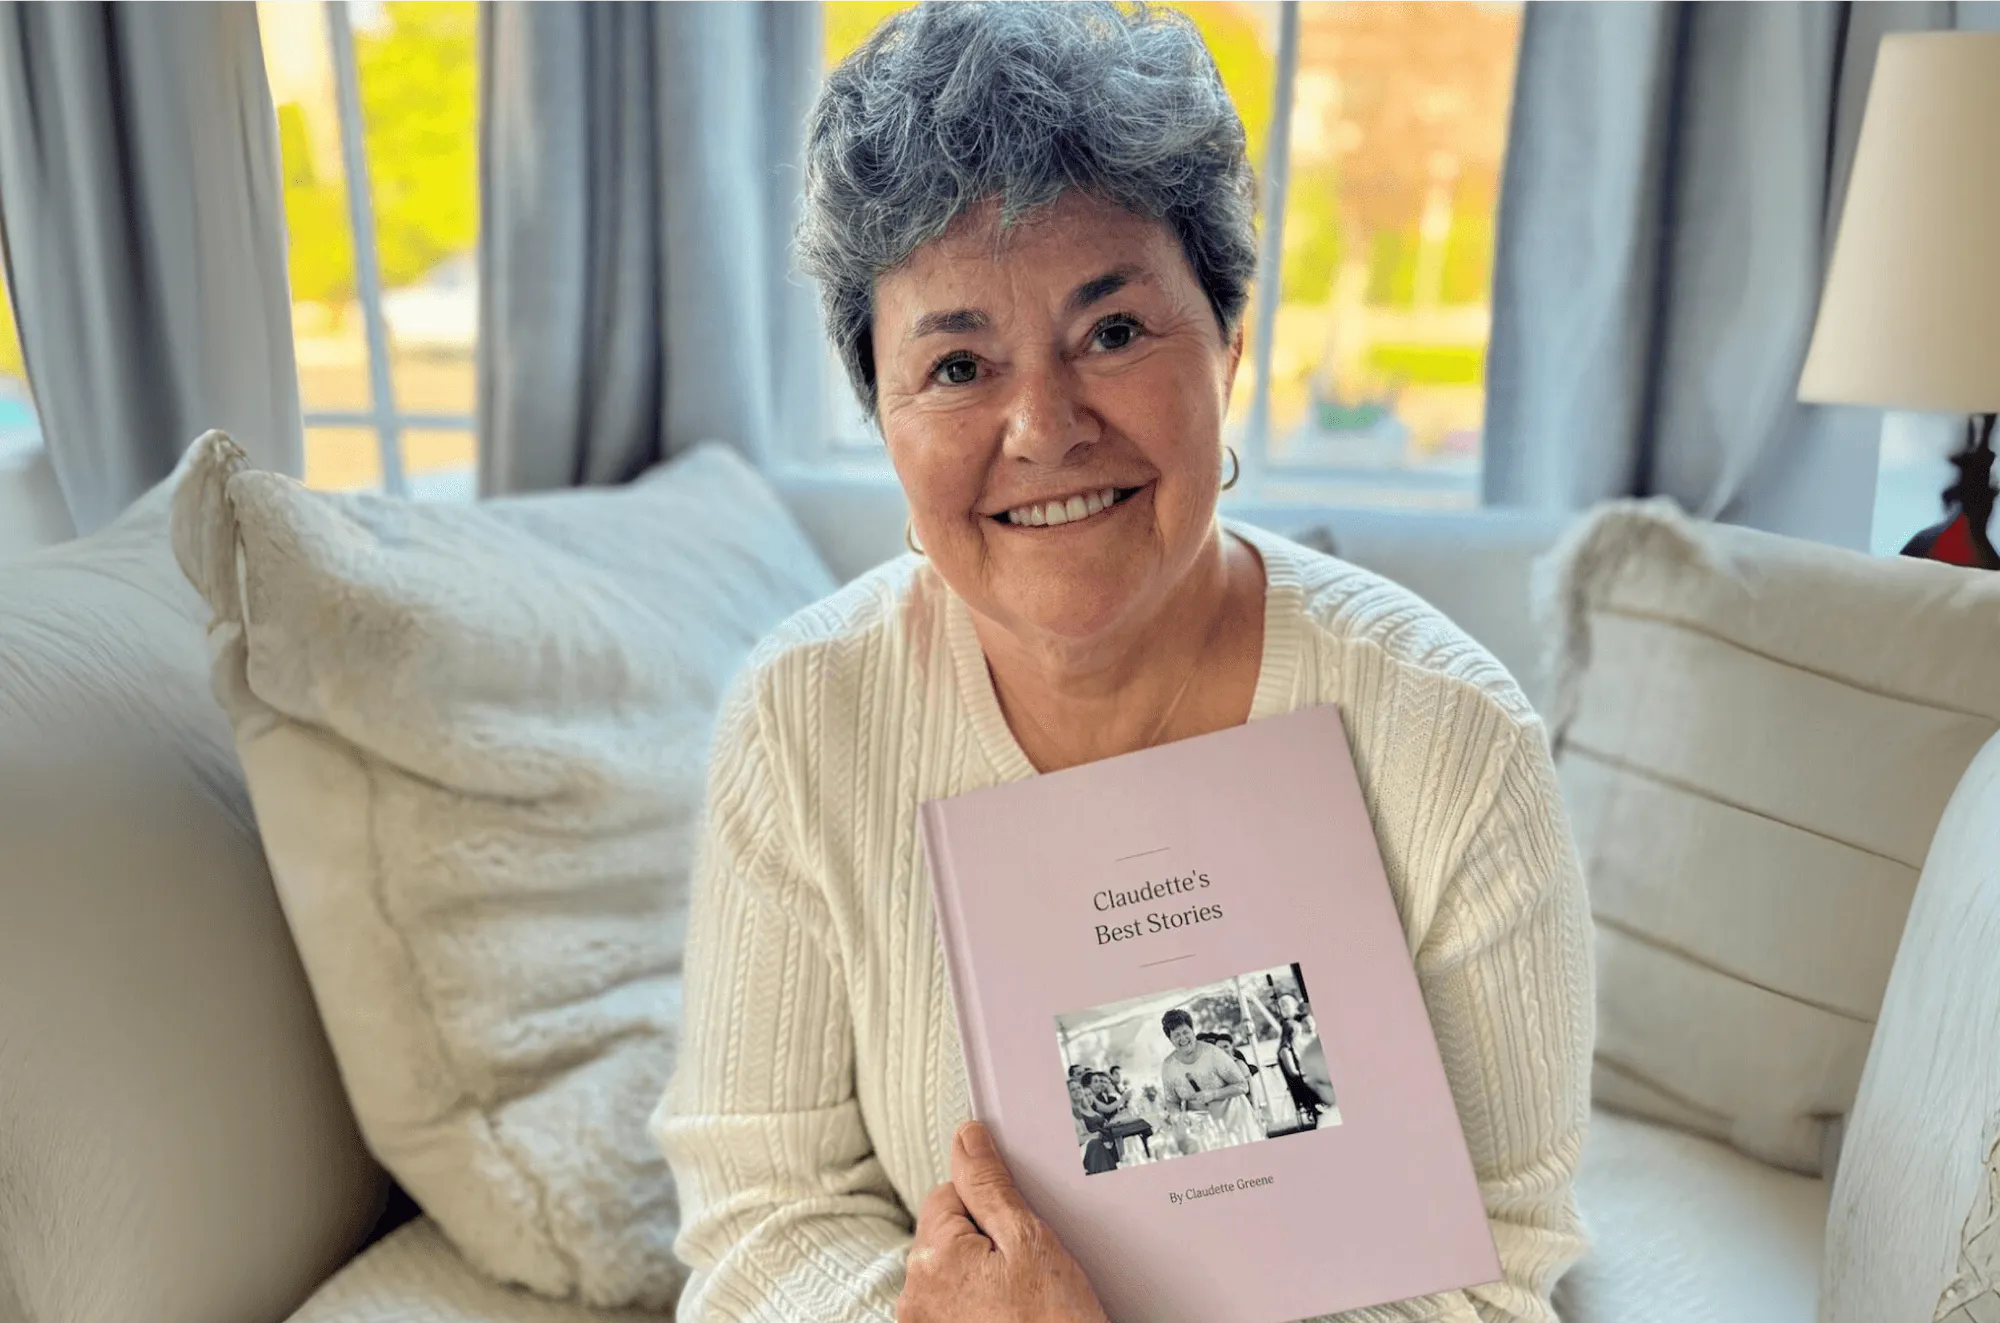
(142, 222)
(638, 178)
(1673, 184)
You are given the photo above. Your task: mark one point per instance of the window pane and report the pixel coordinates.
(326, 320)
(1398, 131)
(19, 430)
(343, 459)
(1913, 469)
(442, 465)
(427, 450)
(418, 67)
(439, 463)
(846, 24)
(1243, 40)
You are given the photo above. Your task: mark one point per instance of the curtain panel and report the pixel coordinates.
(639, 176)
(1673, 184)
(142, 225)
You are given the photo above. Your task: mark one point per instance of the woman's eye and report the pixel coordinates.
(959, 371)
(1114, 333)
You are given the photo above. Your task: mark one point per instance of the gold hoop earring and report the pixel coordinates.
(910, 537)
(1235, 468)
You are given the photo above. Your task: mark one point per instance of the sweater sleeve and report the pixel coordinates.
(1505, 968)
(1508, 973)
(787, 1216)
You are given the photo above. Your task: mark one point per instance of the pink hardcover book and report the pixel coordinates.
(1191, 1021)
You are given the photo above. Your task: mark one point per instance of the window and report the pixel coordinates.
(1912, 472)
(377, 110)
(20, 432)
(1369, 387)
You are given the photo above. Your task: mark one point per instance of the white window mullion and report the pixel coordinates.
(367, 272)
(1256, 439)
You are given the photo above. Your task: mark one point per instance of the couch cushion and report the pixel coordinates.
(1916, 1207)
(1755, 736)
(174, 1143)
(1683, 1230)
(413, 1275)
(1686, 1230)
(476, 739)
(32, 513)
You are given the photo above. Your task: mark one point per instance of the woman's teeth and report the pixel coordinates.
(1063, 512)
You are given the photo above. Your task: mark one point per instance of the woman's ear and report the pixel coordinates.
(1236, 338)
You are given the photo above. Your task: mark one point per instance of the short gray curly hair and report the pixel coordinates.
(957, 101)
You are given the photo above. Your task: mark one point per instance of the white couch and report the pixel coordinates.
(175, 1146)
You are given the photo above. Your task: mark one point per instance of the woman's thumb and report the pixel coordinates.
(987, 1188)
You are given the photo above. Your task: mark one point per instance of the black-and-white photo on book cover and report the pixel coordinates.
(1191, 1070)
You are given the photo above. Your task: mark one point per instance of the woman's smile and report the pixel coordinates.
(1089, 507)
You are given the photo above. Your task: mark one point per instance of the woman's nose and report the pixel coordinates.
(1047, 419)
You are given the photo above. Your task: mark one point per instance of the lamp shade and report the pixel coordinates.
(1910, 316)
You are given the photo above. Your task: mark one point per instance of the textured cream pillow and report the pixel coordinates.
(1756, 737)
(475, 739)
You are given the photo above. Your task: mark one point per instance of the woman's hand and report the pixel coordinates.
(1199, 1100)
(982, 1256)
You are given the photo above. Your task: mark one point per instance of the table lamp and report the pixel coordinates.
(1910, 316)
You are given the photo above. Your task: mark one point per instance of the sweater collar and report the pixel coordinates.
(1277, 669)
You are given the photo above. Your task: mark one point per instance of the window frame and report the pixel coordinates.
(382, 416)
(845, 444)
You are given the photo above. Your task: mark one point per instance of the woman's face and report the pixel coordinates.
(1182, 1036)
(1067, 356)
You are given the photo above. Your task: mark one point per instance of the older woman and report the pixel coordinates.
(1032, 228)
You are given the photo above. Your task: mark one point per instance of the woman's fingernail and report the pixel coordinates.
(972, 1137)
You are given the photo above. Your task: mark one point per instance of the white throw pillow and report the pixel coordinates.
(475, 739)
(1756, 737)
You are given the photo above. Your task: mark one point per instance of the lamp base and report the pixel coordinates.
(1960, 538)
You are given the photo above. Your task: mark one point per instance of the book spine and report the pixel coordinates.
(957, 962)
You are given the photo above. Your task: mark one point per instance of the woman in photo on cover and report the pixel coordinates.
(1117, 1076)
(1228, 1044)
(1033, 231)
(1303, 1064)
(1079, 1105)
(1107, 1100)
(1099, 1105)
(1298, 1036)
(1205, 1081)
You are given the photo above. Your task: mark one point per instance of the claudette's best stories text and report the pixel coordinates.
(1165, 891)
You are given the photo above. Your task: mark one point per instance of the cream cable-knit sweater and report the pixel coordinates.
(820, 1077)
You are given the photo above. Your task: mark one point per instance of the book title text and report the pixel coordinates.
(1156, 920)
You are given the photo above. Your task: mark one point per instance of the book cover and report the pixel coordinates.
(1192, 1023)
